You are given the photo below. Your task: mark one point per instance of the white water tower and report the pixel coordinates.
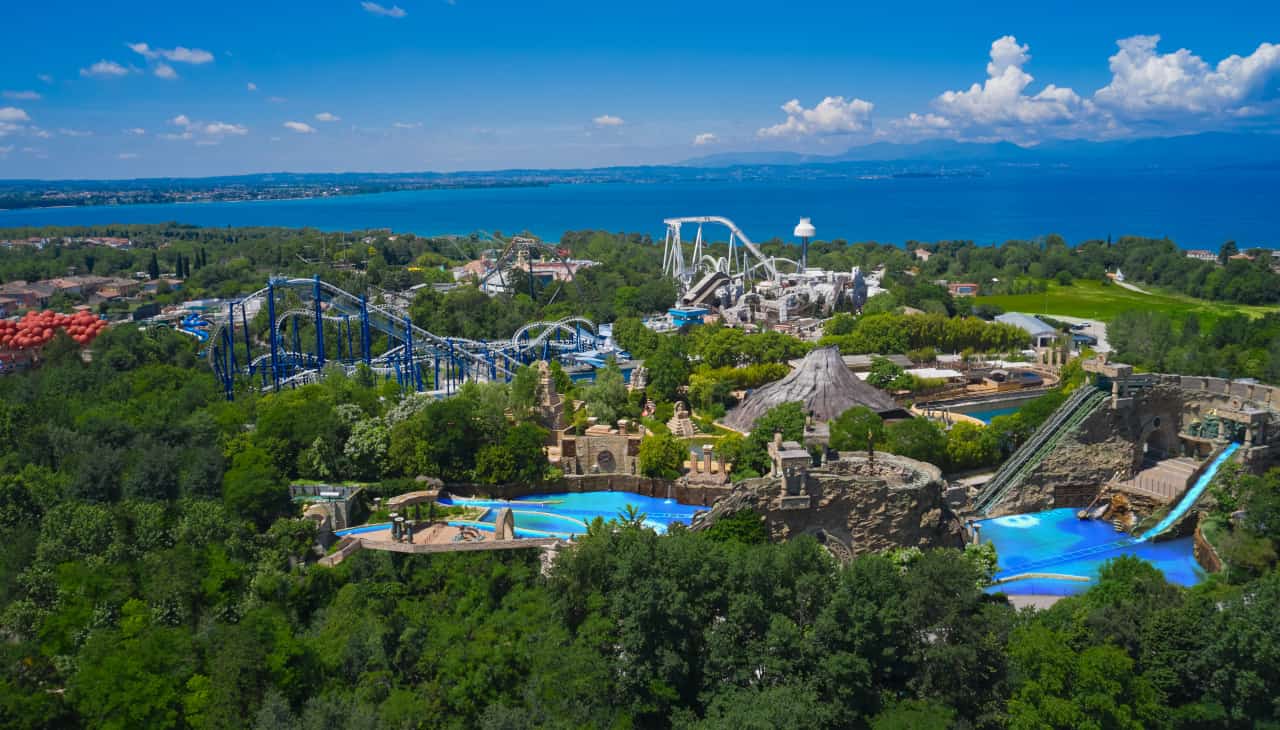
(804, 231)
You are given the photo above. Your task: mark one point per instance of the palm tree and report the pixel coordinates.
(631, 516)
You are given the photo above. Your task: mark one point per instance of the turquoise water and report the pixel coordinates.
(989, 416)
(568, 513)
(1008, 203)
(1056, 541)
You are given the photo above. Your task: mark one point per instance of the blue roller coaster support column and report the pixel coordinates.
(452, 366)
(229, 364)
(435, 381)
(351, 351)
(364, 329)
(415, 373)
(319, 324)
(248, 351)
(272, 334)
(231, 333)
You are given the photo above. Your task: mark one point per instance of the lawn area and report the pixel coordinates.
(1092, 300)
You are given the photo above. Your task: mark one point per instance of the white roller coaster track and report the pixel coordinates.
(676, 265)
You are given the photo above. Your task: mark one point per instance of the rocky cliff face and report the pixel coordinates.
(853, 505)
(1108, 443)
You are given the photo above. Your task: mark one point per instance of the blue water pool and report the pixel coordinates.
(990, 415)
(362, 528)
(1057, 542)
(568, 513)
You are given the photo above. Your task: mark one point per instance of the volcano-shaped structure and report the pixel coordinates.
(823, 383)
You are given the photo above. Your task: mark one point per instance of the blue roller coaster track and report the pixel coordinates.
(314, 325)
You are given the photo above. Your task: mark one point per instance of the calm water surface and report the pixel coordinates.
(1200, 209)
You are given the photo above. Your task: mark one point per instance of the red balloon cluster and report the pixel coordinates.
(37, 328)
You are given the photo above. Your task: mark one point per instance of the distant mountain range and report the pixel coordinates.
(1211, 149)
(934, 158)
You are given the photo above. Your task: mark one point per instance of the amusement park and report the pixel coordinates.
(401, 365)
(698, 389)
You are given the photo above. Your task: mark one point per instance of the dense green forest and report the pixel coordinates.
(229, 262)
(156, 574)
(198, 604)
(1018, 266)
(1232, 347)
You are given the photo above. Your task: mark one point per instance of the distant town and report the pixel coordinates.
(25, 194)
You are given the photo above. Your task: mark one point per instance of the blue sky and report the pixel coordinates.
(187, 89)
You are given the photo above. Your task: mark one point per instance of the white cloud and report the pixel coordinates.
(41, 133)
(204, 133)
(187, 55)
(45, 78)
(135, 131)
(327, 117)
(924, 121)
(13, 114)
(300, 127)
(10, 122)
(1000, 101)
(104, 69)
(127, 156)
(219, 129)
(833, 115)
(75, 132)
(608, 120)
(165, 71)
(4, 151)
(1147, 84)
(395, 11)
(406, 125)
(276, 99)
(251, 86)
(705, 138)
(22, 95)
(180, 54)
(1149, 92)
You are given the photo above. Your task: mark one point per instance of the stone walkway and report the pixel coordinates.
(435, 538)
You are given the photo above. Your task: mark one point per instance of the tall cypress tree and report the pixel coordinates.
(153, 267)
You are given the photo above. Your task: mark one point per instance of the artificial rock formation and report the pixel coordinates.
(550, 408)
(853, 505)
(1143, 427)
(681, 424)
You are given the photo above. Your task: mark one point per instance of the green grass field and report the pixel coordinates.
(1092, 300)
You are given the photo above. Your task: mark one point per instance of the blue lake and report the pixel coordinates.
(1196, 209)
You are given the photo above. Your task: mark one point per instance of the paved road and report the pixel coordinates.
(1095, 328)
(1131, 287)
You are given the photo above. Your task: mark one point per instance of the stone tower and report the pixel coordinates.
(550, 403)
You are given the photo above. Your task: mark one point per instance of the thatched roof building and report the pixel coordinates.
(823, 383)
